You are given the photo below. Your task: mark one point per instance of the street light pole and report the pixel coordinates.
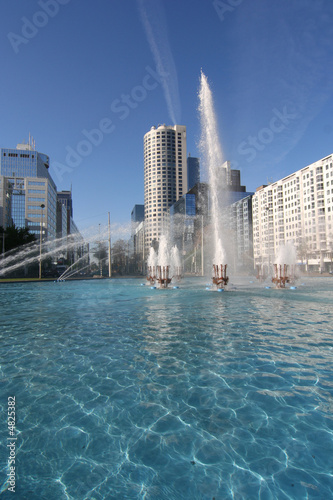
(40, 241)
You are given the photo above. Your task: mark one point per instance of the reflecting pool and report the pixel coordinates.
(124, 392)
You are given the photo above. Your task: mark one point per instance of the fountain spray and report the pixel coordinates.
(218, 176)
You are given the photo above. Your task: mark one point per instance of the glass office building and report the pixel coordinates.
(193, 171)
(27, 191)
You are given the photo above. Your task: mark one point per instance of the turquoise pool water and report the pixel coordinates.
(124, 392)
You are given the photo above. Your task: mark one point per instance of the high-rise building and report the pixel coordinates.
(165, 176)
(193, 171)
(297, 209)
(28, 192)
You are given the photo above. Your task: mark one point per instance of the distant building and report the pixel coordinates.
(72, 247)
(27, 190)
(65, 198)
(240, 220)
(62, 220)
(138, 242)
(165, 176)
(193, 171)
(190, 217)
(138, 213)
(297, 209)
(182, 218)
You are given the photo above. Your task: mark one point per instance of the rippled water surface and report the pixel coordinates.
(124, 392)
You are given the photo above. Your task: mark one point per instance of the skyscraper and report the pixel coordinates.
(165, 176)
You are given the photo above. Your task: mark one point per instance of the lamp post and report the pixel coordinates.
(40, 241)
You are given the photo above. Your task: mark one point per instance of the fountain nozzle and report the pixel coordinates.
(220, 277)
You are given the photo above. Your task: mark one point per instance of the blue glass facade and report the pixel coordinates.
(193, 172)
(26, 185)
(138, 213)
(184, 206)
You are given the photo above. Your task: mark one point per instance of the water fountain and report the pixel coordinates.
(218, 178)
(280, 277)
(31, 253)
(285, 266)
(220, 278)
(164, 264)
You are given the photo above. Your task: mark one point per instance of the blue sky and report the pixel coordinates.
(88, 80)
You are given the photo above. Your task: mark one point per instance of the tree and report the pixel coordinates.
(15, 237)
(119, 253)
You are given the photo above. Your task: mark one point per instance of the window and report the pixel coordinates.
(36, 183)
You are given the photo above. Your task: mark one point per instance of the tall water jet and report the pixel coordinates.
(217, 173)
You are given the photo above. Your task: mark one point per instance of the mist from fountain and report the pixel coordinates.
(152, 258)
(213, 160)
(175, 262)
(163, 255)
(286, 254)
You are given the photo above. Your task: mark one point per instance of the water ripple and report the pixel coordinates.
(126, 392)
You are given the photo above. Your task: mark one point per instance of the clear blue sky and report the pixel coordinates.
(71, 66)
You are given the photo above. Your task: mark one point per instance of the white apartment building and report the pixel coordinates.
(296, 209)
(165, 176)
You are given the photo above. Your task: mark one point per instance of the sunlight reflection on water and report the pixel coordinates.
(127, 392)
